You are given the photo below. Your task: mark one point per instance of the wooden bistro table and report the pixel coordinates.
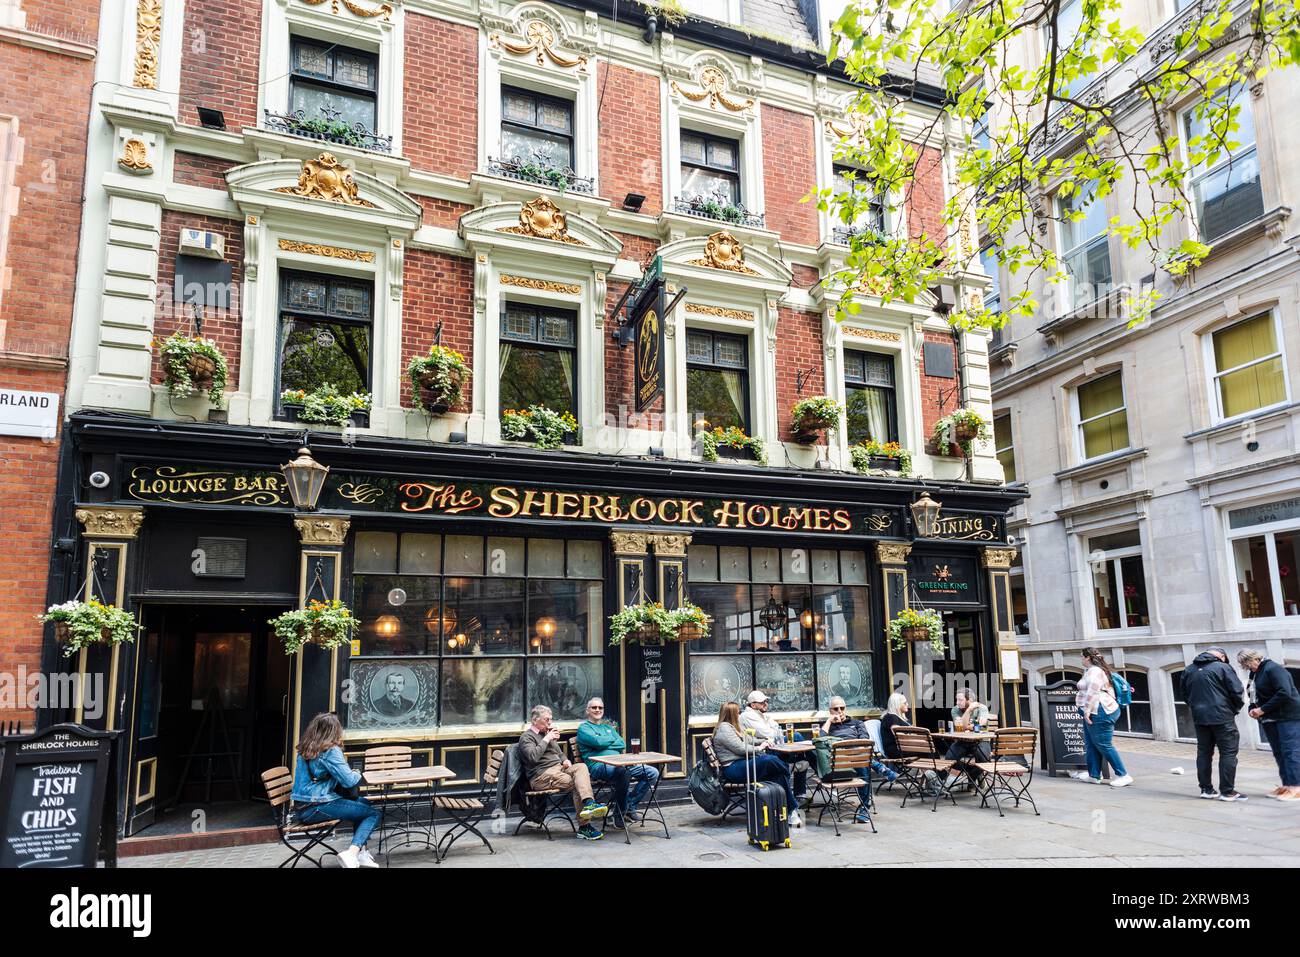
(654, 758)
(418, 785)
(970, 737)
(790, 747)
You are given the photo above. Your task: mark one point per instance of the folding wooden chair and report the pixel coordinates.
(278, 783)
(735, 792)
(917, 743)
(390, 757)
(850, 771)
(1011, 768)
(469, 812)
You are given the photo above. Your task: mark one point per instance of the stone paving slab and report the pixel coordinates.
(1158, 821)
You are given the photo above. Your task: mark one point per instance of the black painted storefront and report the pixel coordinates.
(188, 483)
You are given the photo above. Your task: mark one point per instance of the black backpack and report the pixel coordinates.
(706, 789)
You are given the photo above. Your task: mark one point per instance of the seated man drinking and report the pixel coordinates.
(840, 725)
(546, 767)
(598, 737)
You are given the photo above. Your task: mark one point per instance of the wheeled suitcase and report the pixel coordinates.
(766, 816)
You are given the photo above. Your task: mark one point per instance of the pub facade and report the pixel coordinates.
(484, 569)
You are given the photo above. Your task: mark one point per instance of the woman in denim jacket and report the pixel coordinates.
(321, 768)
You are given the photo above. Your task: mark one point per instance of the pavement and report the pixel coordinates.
(1157, 822)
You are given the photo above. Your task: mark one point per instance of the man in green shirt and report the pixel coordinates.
(598, 737)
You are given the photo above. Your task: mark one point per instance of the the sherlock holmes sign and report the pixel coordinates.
(437, 496)
(648, 327)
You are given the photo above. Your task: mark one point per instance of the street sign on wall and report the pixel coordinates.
(29, 413)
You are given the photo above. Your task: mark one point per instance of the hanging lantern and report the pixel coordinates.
(305, 477)
(925, 513)
(440, 620)
(774, 615)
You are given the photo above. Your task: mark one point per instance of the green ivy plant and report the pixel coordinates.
(328, 624)
(176, 351)
(545, 174)
(335, 130)
(626, 624)
(945, 430)
(82, 623)
(732, 437)
(326, 404)
(441, 372)
(544, 427)
(862, 453)
(817, 413)
(917, 618)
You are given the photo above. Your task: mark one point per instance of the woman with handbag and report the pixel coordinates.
(326, 789)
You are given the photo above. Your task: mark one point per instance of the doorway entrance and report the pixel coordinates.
(939, 676)
(212, 697)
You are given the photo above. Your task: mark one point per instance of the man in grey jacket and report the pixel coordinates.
(1214, 695)
(547, 767)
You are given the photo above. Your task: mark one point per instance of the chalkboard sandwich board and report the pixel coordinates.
(1061, 728)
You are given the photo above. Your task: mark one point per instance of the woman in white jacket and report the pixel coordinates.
(1096, 702)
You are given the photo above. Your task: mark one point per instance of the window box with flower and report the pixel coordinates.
(326, 406)
(730, 443)
(873, 456)
(544, 428)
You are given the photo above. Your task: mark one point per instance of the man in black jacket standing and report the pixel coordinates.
(1214, 694)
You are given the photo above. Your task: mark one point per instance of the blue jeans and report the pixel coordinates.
(767, 767)
(644, 776)
(1284, 739)
(1099, 744)
(363, 815)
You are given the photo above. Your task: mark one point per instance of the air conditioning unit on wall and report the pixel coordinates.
(198, 242)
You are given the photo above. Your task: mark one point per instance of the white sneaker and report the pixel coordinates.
(365, 860)
(1122, 782)
(351, 857)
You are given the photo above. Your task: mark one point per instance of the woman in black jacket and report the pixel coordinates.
(1275, 701)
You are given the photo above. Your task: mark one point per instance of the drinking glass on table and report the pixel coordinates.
(635, 745)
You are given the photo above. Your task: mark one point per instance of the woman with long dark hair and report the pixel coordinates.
(732, 747)
(320, 771)
(1100, 709)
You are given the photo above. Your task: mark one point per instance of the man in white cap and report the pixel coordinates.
(755, 718)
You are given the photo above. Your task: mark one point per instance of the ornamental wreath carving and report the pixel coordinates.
(326, 178)
(543, 219)
(724, 251)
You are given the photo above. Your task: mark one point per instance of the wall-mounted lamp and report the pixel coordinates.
(306, 478)
(632, 202)
(210, 118)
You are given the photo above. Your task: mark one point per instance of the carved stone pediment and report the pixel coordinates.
(543, 219)
(724, 251)
(326, 178)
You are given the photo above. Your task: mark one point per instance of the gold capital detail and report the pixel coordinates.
(322, 529)
(383, 10)
(714, 89)
(148, 37)
(630, 543)
(543, 219)
(110, 521)
(893, 553)
(333, 252)
(542, 285)
(326, 178)
(670, 545)
(720, 312)
(135, 156)
(875, 334)
(724, 251)
(541, 41)
(997, 557)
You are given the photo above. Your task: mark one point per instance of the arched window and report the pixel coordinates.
(1186, 728)
(1136, 718)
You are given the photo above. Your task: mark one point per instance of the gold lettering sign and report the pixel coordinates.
(170, 484)
(974, 528)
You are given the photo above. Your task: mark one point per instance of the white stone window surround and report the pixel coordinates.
(576, 84)
(827, 141)
(1087, 607)
(1126, 371)
(838, 339)
(760, 371)
(284, 19)
(1268, 531)
(744, 126)
(1213, 373)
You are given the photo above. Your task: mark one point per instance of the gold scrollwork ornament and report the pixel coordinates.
(714, 89)
(724, 251)
(135, 156)
(541, 41)
(542, 219)
(326, 178)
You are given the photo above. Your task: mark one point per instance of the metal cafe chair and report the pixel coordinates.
(917, 743)
(278, 783)
(735, 792)
(1010, 770)
(468, 812)
(850, 771)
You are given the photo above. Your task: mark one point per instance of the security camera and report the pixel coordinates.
(1012, 540)
(99, 479)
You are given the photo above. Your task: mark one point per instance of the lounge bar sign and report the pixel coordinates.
(439, 496)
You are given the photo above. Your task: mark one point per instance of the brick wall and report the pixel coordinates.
(442, 212)
(223, 326)
(191, 169)
(789, 174)
(631, 147)
(437, 286)
(440, 105)
(798, 350)
(219, 68)
(933, 387)
(639, 249)
(924, 202)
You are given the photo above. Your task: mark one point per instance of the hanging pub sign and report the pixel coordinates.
(58, 798)
(1061, 728)
(648, 332)
(440, 496)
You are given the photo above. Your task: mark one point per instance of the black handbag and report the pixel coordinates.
(352, 793)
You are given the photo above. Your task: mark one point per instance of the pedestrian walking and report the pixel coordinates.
(1275, 702)
(1099, 705)
(1214, 694)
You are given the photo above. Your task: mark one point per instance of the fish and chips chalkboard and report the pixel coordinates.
(1061, 728)
(57, 808)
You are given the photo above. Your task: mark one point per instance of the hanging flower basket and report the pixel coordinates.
(192, 365)
(78, 624)
(914, 625)
(813, 416)
(916, 633)
(438, 379)
(959, 429)
(327, 624)
(650, 623)
(202, 369)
